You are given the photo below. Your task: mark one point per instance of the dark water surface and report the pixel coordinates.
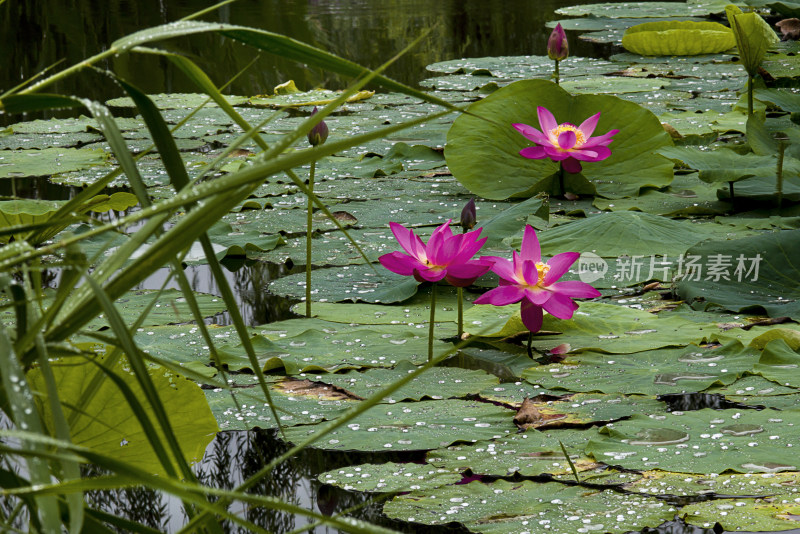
(37, 34)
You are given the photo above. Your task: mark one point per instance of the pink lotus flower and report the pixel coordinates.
(565, 142)
(445, 256)
(535, 283)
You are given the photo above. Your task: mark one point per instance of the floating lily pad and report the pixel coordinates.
(478, 148)
(678, 38)
(389, 477)
(614, 85)
(505, 507)
(758, 274)
(778, 512)
(636, 9)
(252, 410)
(725, 165)
(746, 485)
(530, 453)
(413, 426)
(181, 101)
(365, 283)
(780, 363)
(48, 161)
(751, 385)
(647, 373)
(703, 441)
(329, 351)
(436, 383)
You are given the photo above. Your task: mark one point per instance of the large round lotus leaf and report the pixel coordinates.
(48, 140)
(504, 507)
(521, 66)
(48, 161)
(530, 453)
(752, 385)
(761, 275)
(624, 233)
(366, 283)
(703, 441)
(636, 9)
(772, 514)
(678, 38)
(484, 154)
(701, 199)
(613, 84)
(184, 101)
(329, 351)
(413, 426)
(509, 393)
(251, 409)
(389, 477)
(585, 408)
(436, 383)
(647, 373)
(683, 484)
(780, 363)
(608, 328)
(108, 425)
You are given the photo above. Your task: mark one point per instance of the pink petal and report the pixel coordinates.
(567, 139)
(502, 267)
(601, 140)
(435, 243)
(501, 296)
(532, 315)
(584, 154)
(533, 152)
(574, 289)
(464, 274)
(530, 249)
(537, 295)
(406, 238)
(530, 273)
(560, 306)
(426, 274)
(399, 263)
(571, 165)
(449, 250)
(546, 119)
(469, 246)
(530, 132)
(559, 264)
(555, 154)
(588, 126)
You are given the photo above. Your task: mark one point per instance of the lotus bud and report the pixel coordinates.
(468, 216)
(318, 133)
(557, 47)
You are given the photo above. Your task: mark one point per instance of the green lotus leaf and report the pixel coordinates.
(48, 161)
(664, 482)
(108, 425)
(484, 154)
(702, 441)
(753, 37)
(780, 363)
(725, 165)
(651, 372)
(759, 274)
(504, 507)
(436, 383)
(776, 513)
(390, 477)
(530, 453)
(413, 426)
(636, 9)
(678, 38)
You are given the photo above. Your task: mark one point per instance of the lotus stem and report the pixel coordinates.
(460, 292)
(561, 189)
(730, 190)
(431, 321)
(749, 94)
(309, 224)
(556, 74)
(779, 173)
(530, 342)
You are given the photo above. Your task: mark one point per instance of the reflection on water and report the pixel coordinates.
(44, 32)
(233, 457)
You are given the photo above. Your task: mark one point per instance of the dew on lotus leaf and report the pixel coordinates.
(659, 436)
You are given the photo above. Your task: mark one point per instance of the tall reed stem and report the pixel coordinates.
(309, 224)
(460, 292)
(431, 322)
